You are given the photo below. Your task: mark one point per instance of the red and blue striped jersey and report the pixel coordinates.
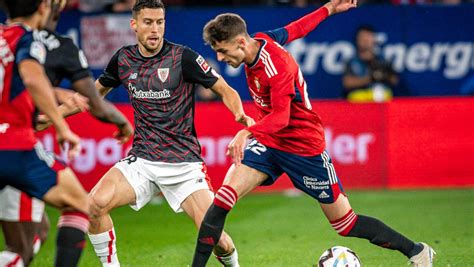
(286, 120)
(17, 110)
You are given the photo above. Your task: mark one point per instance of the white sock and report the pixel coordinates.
(104, 246)
(231, 260)
(8, 258)
(36, 244)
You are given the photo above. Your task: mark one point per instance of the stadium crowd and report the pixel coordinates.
(125, 5)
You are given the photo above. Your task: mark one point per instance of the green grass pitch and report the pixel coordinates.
(278, 230)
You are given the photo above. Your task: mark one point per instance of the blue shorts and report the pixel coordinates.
(313, 175)
(34, 171)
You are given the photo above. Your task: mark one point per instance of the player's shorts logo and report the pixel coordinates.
(130, 159)
(163, 74)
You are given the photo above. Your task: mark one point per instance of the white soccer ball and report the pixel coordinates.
(339, 257)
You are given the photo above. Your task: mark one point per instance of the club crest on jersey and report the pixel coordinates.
(203, 64)
(163, 74)
(257, 83)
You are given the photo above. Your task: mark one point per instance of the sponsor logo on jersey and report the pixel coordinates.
(138, 94)
(203, 64)
(163, 74)
(133, 76)
(4, 127)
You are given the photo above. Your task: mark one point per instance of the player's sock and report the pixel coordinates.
(381, 235)
(36, 244)
(213, 224)
(230, 259)
(8, 258)
(70, 241)
(104, 246)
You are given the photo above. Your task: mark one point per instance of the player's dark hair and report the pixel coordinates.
(365, 28)
(21, 8)
(142, 4)
(224, 28)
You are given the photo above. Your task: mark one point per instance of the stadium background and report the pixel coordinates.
(421, 140)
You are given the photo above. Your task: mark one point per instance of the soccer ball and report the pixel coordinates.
(339, 257)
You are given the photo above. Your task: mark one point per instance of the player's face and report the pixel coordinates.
(230, 52)
(149, 26)
(365, 44)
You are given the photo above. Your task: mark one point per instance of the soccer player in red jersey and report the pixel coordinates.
(288, 136)
(22, 218)
(23, 162)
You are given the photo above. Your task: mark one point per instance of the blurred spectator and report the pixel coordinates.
(368, 78)
(120, 6)
(94, 5)
(410, 2)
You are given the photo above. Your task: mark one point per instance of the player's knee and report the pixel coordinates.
(98, 204)
(226, 197)
(345, 224)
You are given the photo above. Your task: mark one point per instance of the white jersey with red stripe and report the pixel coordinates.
(16, 206)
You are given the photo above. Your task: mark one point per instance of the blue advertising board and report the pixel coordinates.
(432, 47)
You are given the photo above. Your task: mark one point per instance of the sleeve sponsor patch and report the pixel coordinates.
(203, 64)
(38, 51)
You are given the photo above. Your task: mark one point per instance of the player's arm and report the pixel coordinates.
(30, 55)
(232, 101)
(301, 27)
(102, 109)
(40, 89)
(282, 93)
(71, 99)
(281, 97)
(196, 70)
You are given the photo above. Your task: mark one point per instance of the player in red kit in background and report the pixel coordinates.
(288, 136)
(23, 162)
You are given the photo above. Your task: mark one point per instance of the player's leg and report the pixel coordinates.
(42, 230)
(122, 185)
(16, 244)
(321, 182)
(71, 198)
(113, 190)
(196, 205)
(40, 175)
(22, 217)
(239, 181)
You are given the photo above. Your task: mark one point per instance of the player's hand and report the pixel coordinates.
(66, 136)
(236, 147)
(246, 120)
(125, 131)
(338, 6)
(42, 123)
(77, 101)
